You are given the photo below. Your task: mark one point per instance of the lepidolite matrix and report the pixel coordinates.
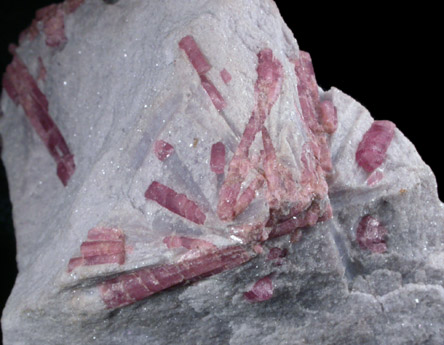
(180, 178)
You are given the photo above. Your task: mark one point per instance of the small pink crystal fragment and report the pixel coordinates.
(217, 160)
(225, 75)
(163, 150)
(261, 291)
(370, 235)
(276, 253)
(374, 178)
(74, 263)
(374, 144)
(258, 249)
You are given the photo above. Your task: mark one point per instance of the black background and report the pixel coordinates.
(386, 58)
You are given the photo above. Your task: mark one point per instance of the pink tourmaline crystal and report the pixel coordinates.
(371, 235)
(261, 291)
(374, 144)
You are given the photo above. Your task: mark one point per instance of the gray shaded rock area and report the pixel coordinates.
(121, 81)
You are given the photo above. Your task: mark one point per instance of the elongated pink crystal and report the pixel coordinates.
(175, 202)
(319, 119)
(197, 59)
(214, 94)
(131, 287)
(201, 65)
(102, 246)
(267, 89)
(23, 90)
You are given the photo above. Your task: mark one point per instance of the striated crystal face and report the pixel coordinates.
(182, 178)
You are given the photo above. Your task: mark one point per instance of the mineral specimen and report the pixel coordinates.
(179, 177)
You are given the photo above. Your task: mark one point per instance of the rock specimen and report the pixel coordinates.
(182, 179)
